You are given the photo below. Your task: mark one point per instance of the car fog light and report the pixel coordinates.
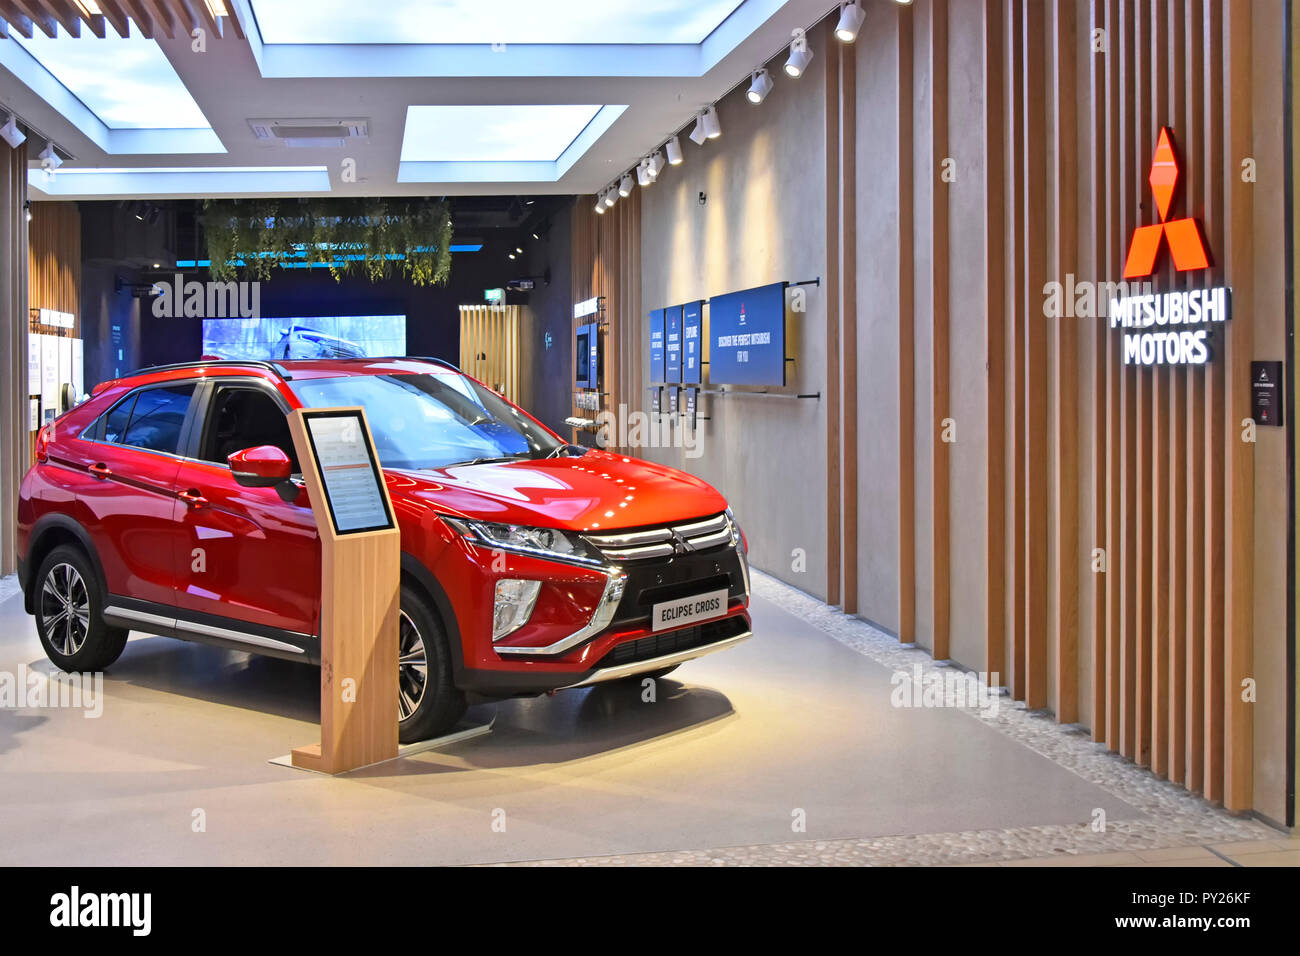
(513, 606)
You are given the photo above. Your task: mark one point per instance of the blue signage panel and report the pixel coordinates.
(657, 345)
(747, 337)
(673, 344)
(692, 341)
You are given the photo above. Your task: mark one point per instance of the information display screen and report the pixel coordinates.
(692, 341)
(672, 399)
(657, 399)
(673, 344)
(353, 483)
(689, 405)
(582, 356)
(747, 337)
(657, 345)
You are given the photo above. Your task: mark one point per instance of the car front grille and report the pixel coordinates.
(672, 642)
(664, 542)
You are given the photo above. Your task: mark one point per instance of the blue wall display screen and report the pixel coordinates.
(586, 355)
(657, 345)
(747, 336)
(673, 344)
(692, 341)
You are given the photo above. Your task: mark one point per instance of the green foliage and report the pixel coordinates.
(378, 238)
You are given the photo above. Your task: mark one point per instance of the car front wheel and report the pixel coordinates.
(428, 703)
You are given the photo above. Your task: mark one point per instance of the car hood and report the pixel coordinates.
(598, 490)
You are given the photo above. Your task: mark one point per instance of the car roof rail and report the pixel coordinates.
(275, 367)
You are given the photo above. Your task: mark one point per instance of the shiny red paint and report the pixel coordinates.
(152, 518)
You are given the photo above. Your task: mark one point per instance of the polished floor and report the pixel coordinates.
(789, 739)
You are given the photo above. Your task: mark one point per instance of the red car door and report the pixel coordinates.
(126, 494)
(247, 555)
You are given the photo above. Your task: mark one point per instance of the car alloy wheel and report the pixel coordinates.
(65, 609)
(412, 668)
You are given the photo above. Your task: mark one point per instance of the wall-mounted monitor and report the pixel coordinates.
(692, 341)
(657, 345)
(747, 336)
(587, 356)
(673, 344)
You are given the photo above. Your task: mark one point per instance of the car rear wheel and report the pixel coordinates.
(428, 703)
(69, 613)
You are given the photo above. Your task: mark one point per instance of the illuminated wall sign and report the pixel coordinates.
(588, 307)
(1168, 328)
(494, 296)
(57, 320)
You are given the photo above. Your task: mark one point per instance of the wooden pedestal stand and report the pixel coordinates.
(360, 592)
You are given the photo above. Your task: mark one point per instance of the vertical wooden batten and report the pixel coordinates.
(906, 339)
(940, 409)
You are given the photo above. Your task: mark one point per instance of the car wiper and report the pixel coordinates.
(558, 452)
(485, 461)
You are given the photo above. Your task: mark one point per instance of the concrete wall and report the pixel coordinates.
(763, 221)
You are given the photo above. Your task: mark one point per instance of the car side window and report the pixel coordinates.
(245, 417)
(156, 419)
(116, 419)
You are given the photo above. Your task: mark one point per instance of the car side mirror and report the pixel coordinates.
(262, 467)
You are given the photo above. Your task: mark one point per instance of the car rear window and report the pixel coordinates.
(150, 418)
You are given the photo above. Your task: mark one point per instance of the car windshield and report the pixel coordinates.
(431, 421)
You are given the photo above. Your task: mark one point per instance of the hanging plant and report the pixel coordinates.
(378, 238)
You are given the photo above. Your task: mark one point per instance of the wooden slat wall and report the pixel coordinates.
(489, 346)
(1144, 465)
(54, 259)
(606, 261)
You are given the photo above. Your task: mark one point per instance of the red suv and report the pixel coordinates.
(170, 503)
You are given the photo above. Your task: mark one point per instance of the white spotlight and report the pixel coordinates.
(643, 177)
(759, 87)
(712, 128)
(851, 17)
(611, 196)
(625, 185)
(674, 149)
(656, 164)
(12, 134)
(800, 57)
(49, 158)
(600, 203)
(698, 135)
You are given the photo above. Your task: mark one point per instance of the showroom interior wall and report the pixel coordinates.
(763, 220)
(548, 362)
(982, 549)
(14, 414)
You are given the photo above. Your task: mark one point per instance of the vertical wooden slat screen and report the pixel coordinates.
(489, 346)
(939, 366)
(834, 348)
(1140, 471)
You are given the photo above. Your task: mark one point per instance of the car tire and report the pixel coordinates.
(69, 604)
(429, 704)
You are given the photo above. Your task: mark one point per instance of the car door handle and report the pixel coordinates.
(193, 498)
(100, 470)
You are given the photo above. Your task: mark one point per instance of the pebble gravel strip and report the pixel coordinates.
(1173, 817)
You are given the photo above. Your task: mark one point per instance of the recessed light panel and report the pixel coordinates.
(492, 133)
(127, 82)
(498, 21)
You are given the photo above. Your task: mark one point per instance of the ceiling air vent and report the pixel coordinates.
(310, 133)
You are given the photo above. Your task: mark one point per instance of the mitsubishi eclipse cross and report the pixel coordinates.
(171, 503)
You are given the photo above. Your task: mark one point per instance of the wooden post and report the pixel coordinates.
(360, 590)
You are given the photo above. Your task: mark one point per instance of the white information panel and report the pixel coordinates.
(351, 476)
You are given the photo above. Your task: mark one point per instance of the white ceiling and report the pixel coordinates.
(130, 132)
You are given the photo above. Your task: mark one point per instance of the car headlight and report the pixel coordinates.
(737, 538)
(520, 539)
(513, 605)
